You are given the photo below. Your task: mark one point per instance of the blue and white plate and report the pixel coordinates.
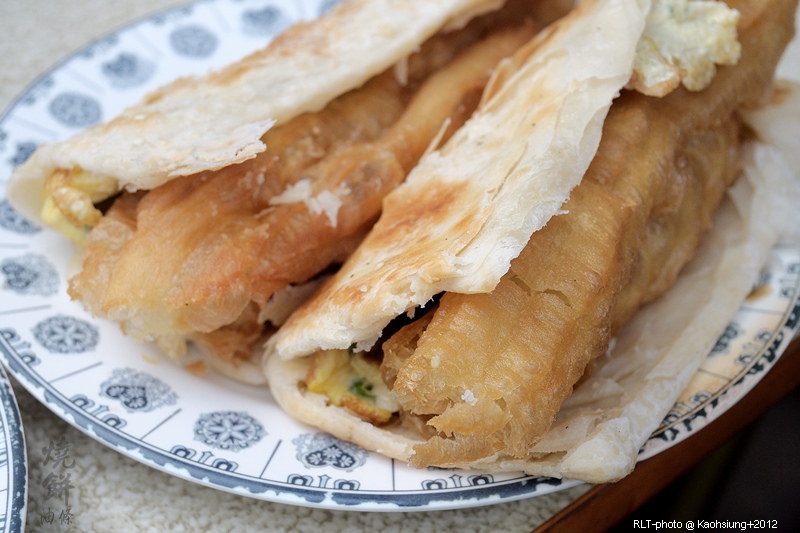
(13, 462)
(208, 429)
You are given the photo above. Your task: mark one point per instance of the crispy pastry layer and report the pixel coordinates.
(465, 211)
(204, 254)
(198, 124)
(494, 369)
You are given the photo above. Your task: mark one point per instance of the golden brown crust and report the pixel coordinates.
(520, 349)
(632, 224)
(227, 241)
(467, 209)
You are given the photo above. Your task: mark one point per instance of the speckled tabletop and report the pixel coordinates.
(112, 492)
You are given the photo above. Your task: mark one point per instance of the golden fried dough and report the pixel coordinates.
(495, 368)
(207, 252)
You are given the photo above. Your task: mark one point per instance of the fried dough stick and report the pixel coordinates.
(205, 248)
(491, 370)
(145, 240)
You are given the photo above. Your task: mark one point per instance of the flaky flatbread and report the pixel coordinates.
(620, 402)
(464, 212)
(224, 243)
(197, 124)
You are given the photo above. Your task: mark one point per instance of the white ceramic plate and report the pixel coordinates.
(13, 462)
(208, 429)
